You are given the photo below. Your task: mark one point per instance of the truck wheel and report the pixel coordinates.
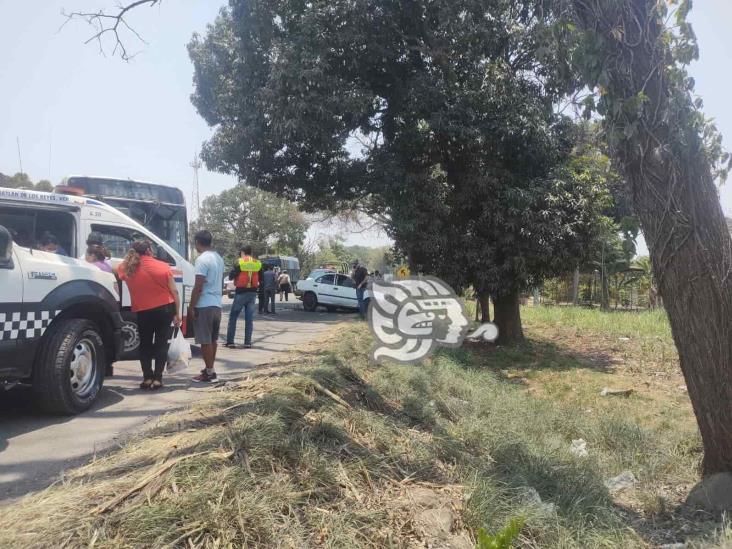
(310, 301)
(69, 368)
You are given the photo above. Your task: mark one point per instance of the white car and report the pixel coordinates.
(330, 290)
(300, 285)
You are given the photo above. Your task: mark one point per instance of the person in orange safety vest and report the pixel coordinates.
(245, 274)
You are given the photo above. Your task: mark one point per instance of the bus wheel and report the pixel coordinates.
(310, 302)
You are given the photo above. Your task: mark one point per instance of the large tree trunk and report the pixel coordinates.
(676, 200)
(485, 311)
(508, 318)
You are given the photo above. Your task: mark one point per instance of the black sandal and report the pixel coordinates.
(146, 384)
(156, 385)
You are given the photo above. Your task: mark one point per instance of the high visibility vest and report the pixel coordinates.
(249, 272)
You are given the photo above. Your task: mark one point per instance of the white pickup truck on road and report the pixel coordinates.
(60, 326)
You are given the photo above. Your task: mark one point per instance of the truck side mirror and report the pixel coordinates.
(6, 249)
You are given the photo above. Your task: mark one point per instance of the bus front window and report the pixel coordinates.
(170, 224)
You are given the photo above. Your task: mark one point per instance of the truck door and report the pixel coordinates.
(12, 312)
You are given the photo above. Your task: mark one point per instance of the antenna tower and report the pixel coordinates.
(195, 198)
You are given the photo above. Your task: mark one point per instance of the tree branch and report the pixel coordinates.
(111, 24)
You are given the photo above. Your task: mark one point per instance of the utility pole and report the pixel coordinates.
(195, 197)
(20, 158)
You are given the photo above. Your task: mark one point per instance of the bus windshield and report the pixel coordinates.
(159, 208)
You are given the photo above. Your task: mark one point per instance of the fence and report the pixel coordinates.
(630, 290)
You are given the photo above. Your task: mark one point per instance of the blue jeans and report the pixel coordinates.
(246, 301)
(361, 302)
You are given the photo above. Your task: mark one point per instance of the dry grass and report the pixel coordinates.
(332, 451)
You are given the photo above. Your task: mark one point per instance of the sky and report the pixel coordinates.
(76, 111)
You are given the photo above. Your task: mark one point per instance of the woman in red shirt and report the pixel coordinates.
(155, 300)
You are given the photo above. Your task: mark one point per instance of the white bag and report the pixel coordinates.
(179, 353)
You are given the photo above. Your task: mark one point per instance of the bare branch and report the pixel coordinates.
(110, 24)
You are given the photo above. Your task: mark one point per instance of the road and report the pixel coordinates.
(35, 449)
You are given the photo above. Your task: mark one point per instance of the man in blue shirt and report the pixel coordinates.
(205, 305)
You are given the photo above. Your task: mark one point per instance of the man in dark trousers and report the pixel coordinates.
(245, 275)
(260, 291)
(270, 289)
(360, 277)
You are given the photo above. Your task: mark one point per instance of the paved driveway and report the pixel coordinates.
(35, 448)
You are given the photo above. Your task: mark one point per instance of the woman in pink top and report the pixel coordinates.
(97, 255)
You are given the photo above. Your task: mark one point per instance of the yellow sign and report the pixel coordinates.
(402, 272)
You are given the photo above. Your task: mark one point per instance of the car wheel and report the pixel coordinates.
(310, 301)
(69, 367)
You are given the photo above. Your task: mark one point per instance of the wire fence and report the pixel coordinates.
(627, 290)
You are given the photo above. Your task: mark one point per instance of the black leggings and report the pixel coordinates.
(154, 327)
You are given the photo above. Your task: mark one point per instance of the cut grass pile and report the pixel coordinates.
(330, 450)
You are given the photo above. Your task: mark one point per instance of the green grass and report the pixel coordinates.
(292, 467)
(644, 324)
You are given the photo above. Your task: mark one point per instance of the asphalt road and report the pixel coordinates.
(35, 449)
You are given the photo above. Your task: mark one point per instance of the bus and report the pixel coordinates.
(159, 208)
(283, 263)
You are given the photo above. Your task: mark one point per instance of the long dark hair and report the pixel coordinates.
(131, 262)
(97, 251)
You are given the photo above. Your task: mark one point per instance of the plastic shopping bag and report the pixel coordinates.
(179, 353)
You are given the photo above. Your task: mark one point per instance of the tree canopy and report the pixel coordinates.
(247, 215)
(438, 117)
(22, 181)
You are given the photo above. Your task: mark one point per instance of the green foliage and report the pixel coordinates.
(333, 249)
(248, 215)
(22, 181)
(462, 151)
(503, 539)
(629, 111)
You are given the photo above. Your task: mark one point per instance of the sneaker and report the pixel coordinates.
(247, 345)
(230, 345)
(204, 377)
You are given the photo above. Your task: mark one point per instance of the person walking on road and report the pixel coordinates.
(270, 289)
(205, 306)
(284, 286)
(156, 301)
(360, 277)
(245, 275)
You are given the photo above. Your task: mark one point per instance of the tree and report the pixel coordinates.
(44, 185)
(247, 215)
(111, 25)
(454, 111)
(22, 181)
(669, 154)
